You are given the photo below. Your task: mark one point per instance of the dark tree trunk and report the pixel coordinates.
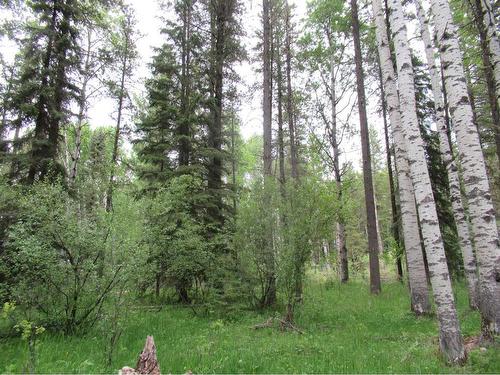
(373, 247)
(182, 291)
(290, 109)
(269, 297)
(184, 131)
(281, 142)
(267, 97)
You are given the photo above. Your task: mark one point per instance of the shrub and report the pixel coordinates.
(60, 262)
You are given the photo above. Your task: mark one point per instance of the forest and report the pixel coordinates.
(249, 186)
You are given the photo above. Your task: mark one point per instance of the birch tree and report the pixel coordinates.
(417, 279)
(482, 213)
(392, 188)
(488, 69)
(451, 167)
(450, 338)
(123, 44)
(493, 41)
(94, 62)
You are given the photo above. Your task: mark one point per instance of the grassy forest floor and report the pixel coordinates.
(345, 331)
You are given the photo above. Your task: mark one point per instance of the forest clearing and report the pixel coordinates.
(345, 331)
(249, 186)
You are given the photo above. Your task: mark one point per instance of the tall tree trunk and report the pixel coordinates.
(281, 141)
(184, 131)
(335, 145)
(233, 161)
(4, 144)
(267, 98)
(82, 107)
(417, 278)
(476, 183)
(290, 108)
(447, 156)
(270, 295)
(488, 69)
(450, 337)
(116, 140)
(377, 224)
(392, 189)
(375, 286)
(493, 38)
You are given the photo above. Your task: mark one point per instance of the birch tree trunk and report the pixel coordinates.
(417, 278)
(114, 155)
(493, 41)
(488, 70)
(450, 337)
(377, 224)
(451, 167)
(394, 207)
(371, 218)
(476, 183)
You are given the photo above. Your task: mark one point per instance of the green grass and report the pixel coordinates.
(345, 331)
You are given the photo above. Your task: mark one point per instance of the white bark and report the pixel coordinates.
(415, 262)
(450, 337)
(451, 167)
(377, 224)
(482, 213)
(493, 41)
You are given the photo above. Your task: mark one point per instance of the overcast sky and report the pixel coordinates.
(250, 110)
(147, 12)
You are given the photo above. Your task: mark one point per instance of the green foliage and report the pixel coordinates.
(277, 233)
(59, 264)
(176, 235)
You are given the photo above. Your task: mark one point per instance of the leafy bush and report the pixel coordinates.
(60, 264)
(284, 227)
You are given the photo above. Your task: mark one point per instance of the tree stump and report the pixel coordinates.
(147, 363)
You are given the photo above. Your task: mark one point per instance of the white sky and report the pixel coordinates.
(147, 12)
